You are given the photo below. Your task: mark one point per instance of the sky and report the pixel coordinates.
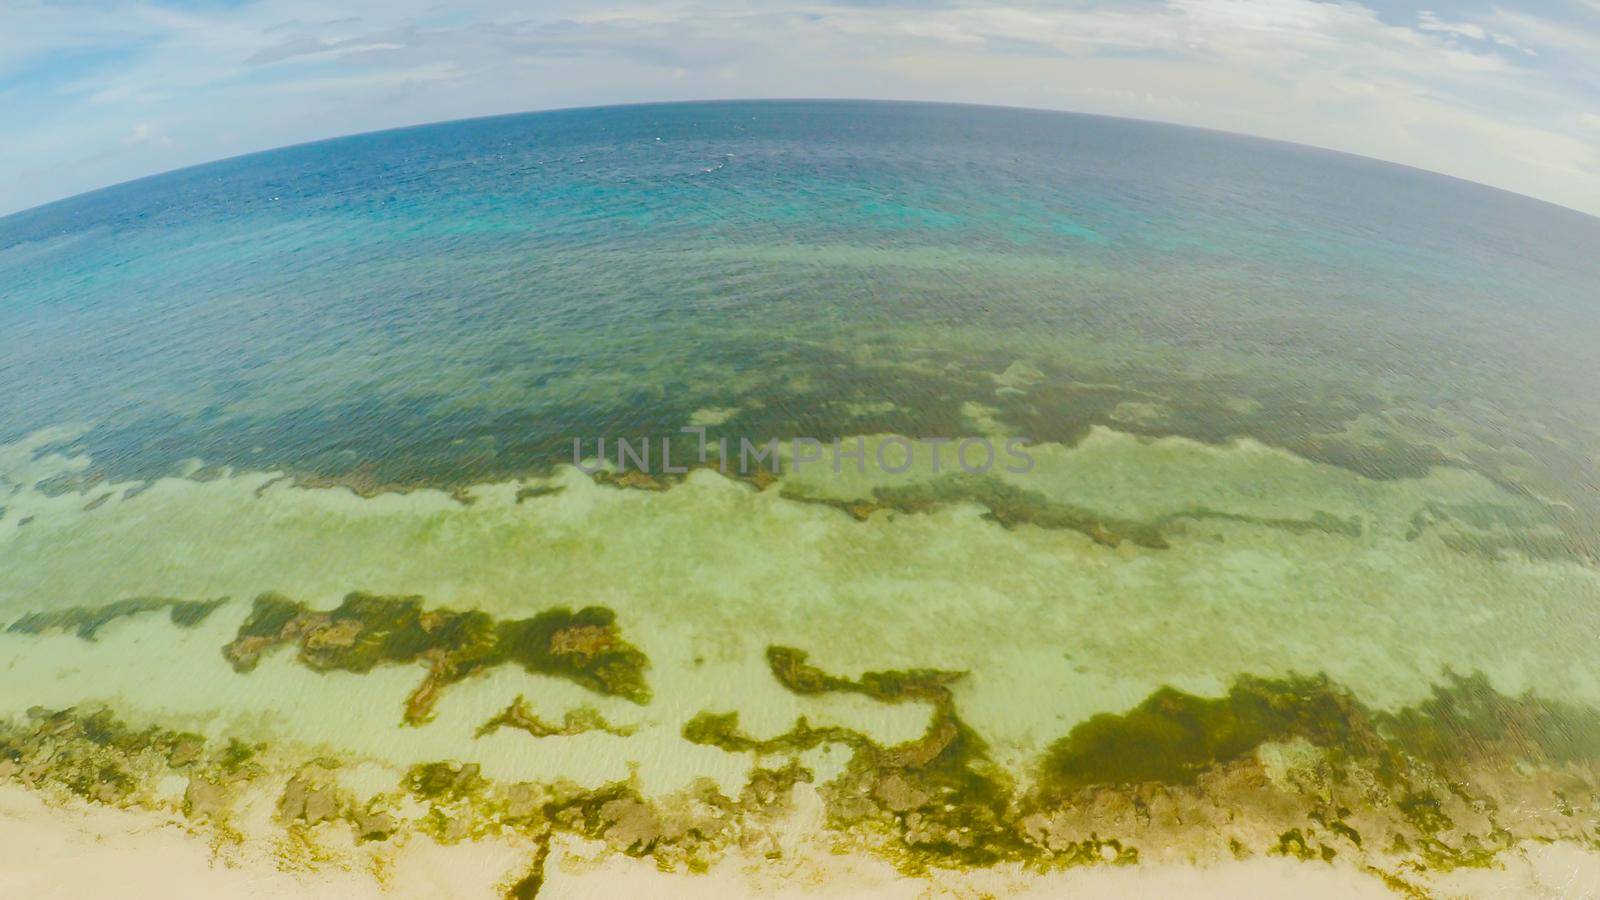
(1503, 93)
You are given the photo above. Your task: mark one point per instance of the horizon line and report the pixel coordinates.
(7, 216)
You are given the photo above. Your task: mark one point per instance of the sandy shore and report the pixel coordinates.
(77, 849)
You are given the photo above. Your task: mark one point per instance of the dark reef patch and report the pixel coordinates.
(367, 630)
(1467, 721)
(938, 797)
(86, 621)
(811, 389)
(1012, 506)
(1173, 737)
(722, 730)
(1488, 531)
(575, 721)
(790, 668)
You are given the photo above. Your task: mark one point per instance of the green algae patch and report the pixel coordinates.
(444, 781)
(938, 798)
(576, 721)
(86, 621)
(1441, 781)
(1318, 521)
(938, 801)
(1012, 506)
(238, 758)
(1467, 719)
(368, 630)
(1006, 504)
(940, 795)
(531, 883)
(790, 667)
(1172, 737)
(721, 730)
(1294, 844)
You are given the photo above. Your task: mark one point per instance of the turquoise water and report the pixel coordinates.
(1292, 414)
(371, 302)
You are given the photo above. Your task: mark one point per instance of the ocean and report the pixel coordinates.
(1124, 496)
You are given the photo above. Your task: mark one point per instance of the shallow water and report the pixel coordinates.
(1305, 431)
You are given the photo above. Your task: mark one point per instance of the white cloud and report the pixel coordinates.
(1501, 97)
(146, 133)
(1427, 20)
